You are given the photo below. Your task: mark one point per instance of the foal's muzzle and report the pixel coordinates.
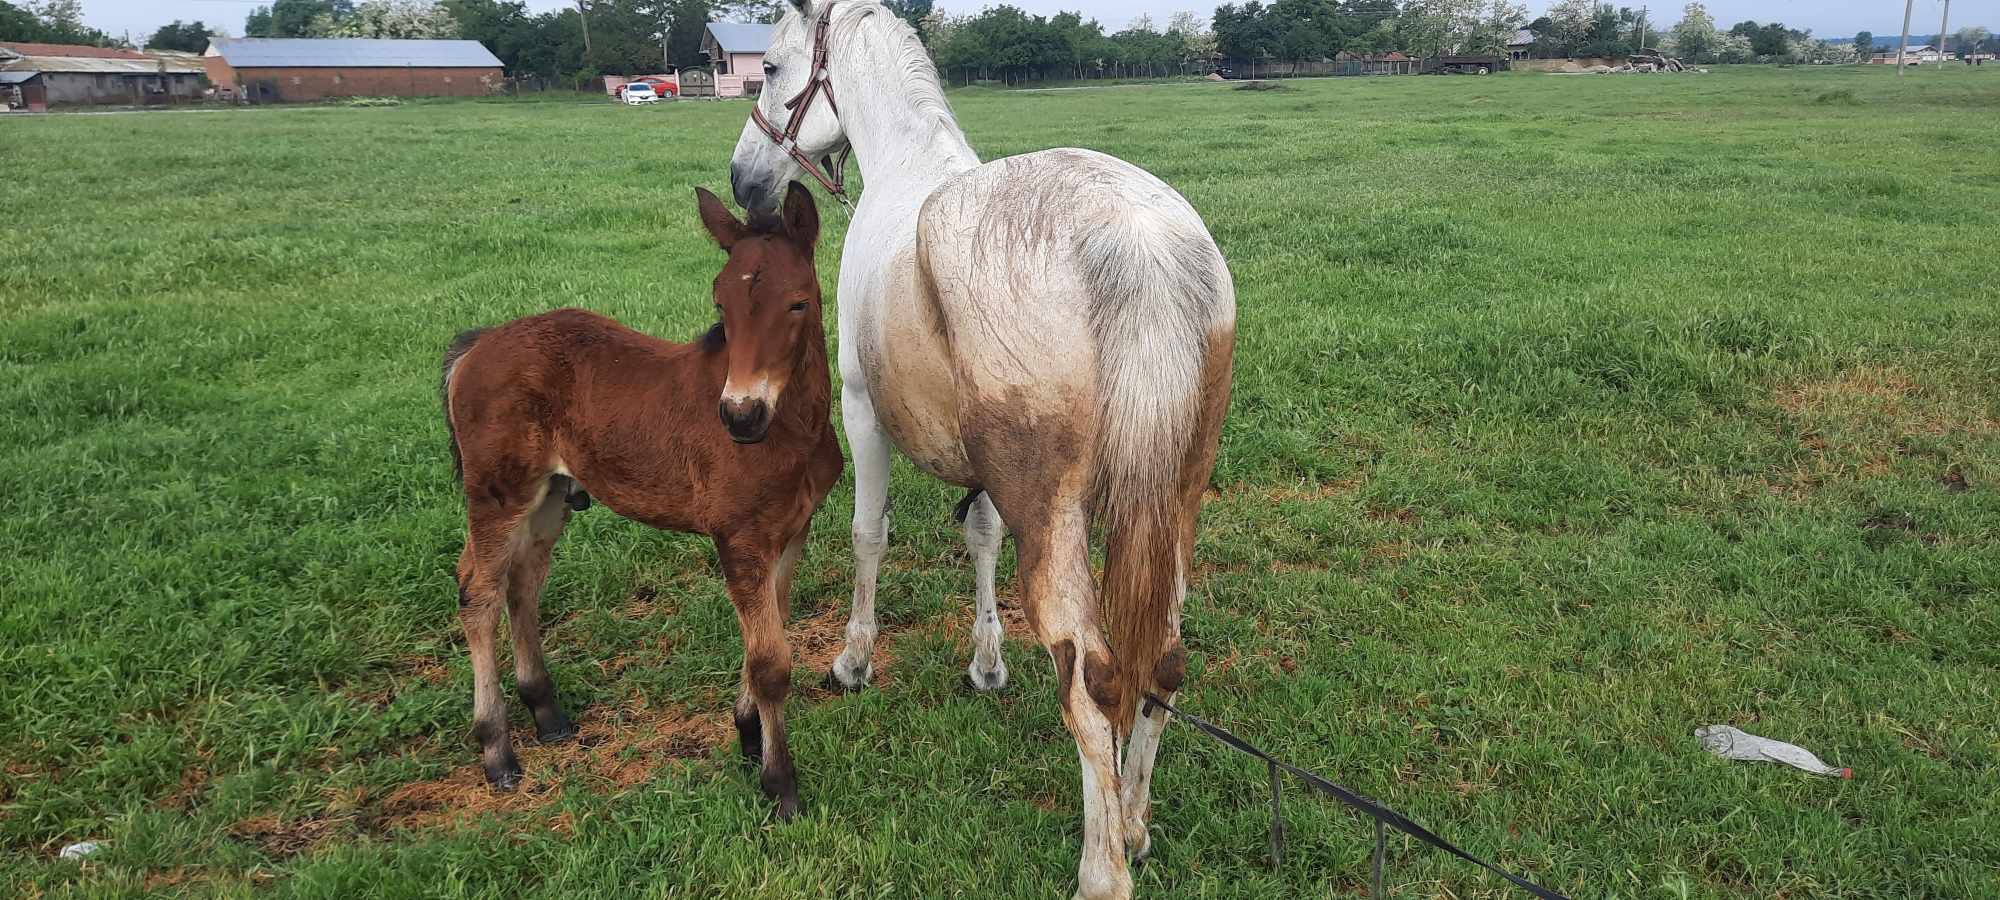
(748, 420)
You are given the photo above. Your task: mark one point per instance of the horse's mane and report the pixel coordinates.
(915, 71)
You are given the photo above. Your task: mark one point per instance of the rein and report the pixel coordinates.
(1374, 810)
(829, 171)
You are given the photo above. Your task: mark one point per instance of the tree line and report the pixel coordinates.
(1004, 42)
(51, 22)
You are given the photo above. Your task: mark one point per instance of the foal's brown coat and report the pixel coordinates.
(545, 408)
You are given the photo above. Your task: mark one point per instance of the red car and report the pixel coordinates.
(664, 85)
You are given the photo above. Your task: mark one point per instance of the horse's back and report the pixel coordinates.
(1036, 262)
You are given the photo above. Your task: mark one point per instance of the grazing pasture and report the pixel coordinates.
(1571, 414)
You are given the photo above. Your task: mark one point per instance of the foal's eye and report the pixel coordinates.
(770, 70)
(799, 306)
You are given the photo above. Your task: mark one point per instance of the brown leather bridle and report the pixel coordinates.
(834, 175)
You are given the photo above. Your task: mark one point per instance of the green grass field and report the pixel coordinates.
(1570, 414)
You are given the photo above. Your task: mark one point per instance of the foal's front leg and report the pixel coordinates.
(758, 571)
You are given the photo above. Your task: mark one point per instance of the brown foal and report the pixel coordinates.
(550, 410)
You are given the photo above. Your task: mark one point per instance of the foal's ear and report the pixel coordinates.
(720, 222)
(801, 216)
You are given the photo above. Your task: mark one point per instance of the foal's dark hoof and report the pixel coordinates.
(750, 738)
(556, 735)
(787, 809)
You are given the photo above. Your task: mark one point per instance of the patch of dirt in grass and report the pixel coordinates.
(618, 750)
(1402, 516)
(194, 780)
(1299, 492)
(1203, 571)
(280, 839)
(1391, 551)
(427, 669)
(1853, 424)
(174, 877)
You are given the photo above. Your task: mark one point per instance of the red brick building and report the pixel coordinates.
(296, 69)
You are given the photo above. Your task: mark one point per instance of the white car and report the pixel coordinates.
(638, 92)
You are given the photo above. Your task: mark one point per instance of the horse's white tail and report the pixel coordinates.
(1158, 287)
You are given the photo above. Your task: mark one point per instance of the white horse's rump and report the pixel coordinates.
(1054, 328)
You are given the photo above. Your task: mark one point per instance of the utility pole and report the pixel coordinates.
(1943, 35)
(1901, 46)
(584, 14)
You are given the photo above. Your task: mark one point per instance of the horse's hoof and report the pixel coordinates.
(990, 680)
(787, 809)
(556, 735)
(504, 782)
(849, 681)
(1138, 851)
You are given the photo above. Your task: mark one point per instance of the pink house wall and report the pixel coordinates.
(742, 68)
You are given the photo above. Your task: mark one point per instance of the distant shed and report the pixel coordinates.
(64, 74)
(299, 69)
(23, 91)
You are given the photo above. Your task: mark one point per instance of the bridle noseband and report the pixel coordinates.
(834, 175)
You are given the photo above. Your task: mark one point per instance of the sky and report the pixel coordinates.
(1828, 18)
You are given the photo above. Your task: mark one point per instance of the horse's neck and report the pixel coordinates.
(905, 147)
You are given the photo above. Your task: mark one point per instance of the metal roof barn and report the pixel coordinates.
(355, 53)
(263, 70)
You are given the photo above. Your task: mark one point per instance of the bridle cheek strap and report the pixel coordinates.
(831, 171)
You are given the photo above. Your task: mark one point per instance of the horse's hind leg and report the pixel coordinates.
(983, 535)
(1061, 604)
(533, 543)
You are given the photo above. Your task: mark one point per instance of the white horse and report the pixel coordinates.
(1054, 329)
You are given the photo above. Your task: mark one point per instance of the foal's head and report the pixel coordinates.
(768, 298)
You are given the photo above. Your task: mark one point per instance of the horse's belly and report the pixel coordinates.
(910, 381)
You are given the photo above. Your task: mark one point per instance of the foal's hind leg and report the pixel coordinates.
(533, 543)
(484, 570)
(983, 534)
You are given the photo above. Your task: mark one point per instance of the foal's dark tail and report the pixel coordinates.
(460, 345)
